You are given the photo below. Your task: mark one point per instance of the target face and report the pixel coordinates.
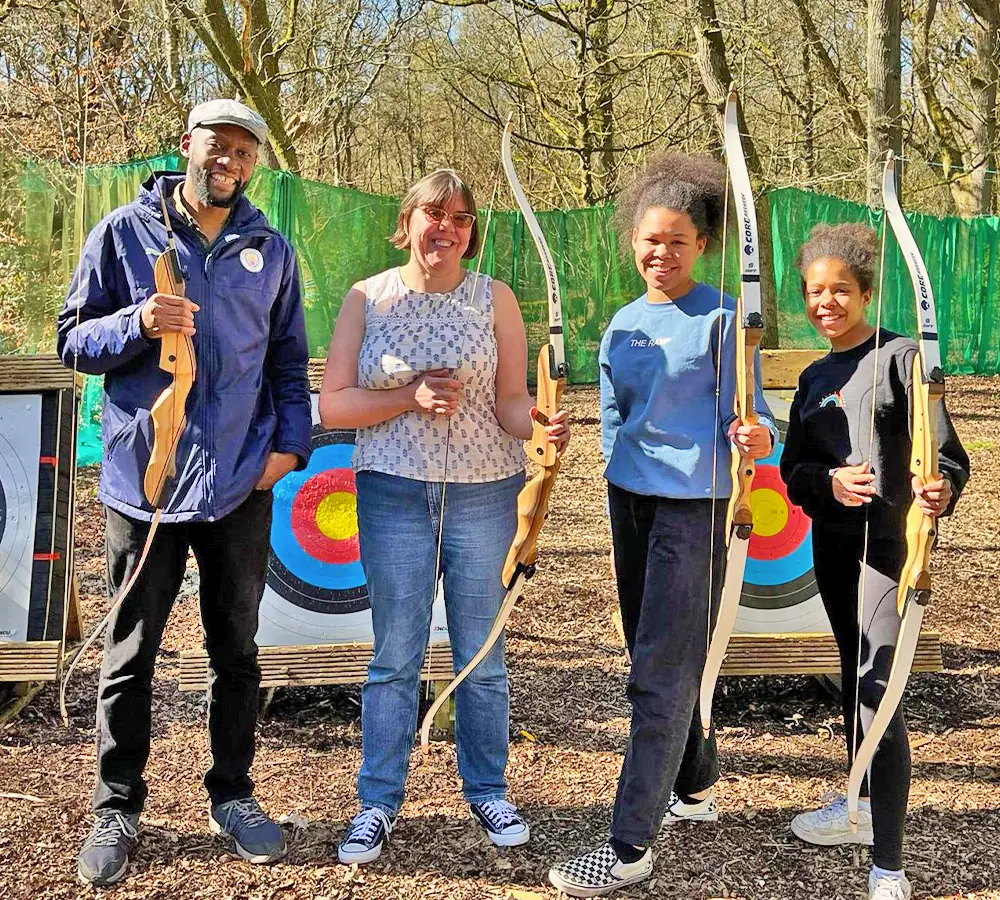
(20, 424)
(315, 560)
(316, 591)
(779, 586)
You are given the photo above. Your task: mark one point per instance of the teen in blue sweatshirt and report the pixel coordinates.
(663, 432)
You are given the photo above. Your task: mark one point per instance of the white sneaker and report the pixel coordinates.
(888, 887)
(502, 822)
(706, 810)
(830, 825)
(599, 872)
(366, 837)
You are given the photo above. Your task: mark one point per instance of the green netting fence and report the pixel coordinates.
(339, 236)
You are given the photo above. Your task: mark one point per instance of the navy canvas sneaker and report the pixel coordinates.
(502, 822)
(366, 836)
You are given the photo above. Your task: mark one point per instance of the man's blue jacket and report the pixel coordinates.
(251, 391)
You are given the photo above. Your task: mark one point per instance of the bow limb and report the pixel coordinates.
(749, 333)
(177, 359)
(533, 501)
(914, 591)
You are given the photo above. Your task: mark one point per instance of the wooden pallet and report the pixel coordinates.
(798, 654)
(24, 374)
(31, 661)
(779, 368)
(317, 664)
(808, 654)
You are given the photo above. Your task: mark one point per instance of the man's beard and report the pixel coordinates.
(204, 194)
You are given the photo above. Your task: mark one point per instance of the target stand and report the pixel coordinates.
(781, 626)
(315, 618)
(38, 610)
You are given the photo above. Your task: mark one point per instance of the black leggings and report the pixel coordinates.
(837, 561)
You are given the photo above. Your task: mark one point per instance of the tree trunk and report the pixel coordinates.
(884, 132)
(584, 132)
(716, 77)
(604, 80)
(172, 51)
(984, 129)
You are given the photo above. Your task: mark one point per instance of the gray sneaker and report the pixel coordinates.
(254, 836)
(104, 856)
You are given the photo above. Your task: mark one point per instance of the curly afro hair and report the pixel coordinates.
(855, 245)
(695, 185)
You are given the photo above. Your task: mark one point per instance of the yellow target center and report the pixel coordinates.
(337, 515)
(770, 511)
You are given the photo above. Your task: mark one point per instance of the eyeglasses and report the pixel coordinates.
(438, 215)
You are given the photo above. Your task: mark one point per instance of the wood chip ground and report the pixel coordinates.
(781, 743)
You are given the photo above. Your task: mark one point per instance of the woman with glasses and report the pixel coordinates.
(428, 362)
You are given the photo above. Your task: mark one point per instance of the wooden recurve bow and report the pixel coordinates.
(533, 501)
(749, 333)
(914, 590)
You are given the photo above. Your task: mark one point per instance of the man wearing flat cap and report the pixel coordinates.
(248, 425)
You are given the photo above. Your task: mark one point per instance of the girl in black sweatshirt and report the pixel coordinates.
(840, 475)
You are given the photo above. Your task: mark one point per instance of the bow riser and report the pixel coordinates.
(177, 359)
(533, 500)
(921, 529)
(739, 515)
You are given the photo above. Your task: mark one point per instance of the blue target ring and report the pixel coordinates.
(296, 574)
(779, 580)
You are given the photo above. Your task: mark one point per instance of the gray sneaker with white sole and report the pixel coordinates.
(254, 836)
(104, 857)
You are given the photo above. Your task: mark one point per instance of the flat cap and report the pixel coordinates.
(227, 112)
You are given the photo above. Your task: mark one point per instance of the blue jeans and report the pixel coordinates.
(397, 526)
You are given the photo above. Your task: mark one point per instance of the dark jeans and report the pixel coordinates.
(837, 564)
(232, 564)
(662, 551)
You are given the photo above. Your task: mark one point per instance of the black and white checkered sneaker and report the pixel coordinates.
(706, 810)
(599, 872)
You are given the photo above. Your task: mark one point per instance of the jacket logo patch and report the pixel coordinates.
(834, 399)
(252, 260)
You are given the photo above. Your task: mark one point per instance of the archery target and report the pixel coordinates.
(316, 591)
(20, 449)
(779, 586)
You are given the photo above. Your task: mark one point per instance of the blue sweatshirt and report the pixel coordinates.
(659, 416)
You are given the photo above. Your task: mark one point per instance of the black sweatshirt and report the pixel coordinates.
(830, 425)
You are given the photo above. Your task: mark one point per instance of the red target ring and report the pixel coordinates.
(324, 517)
(779, 526)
